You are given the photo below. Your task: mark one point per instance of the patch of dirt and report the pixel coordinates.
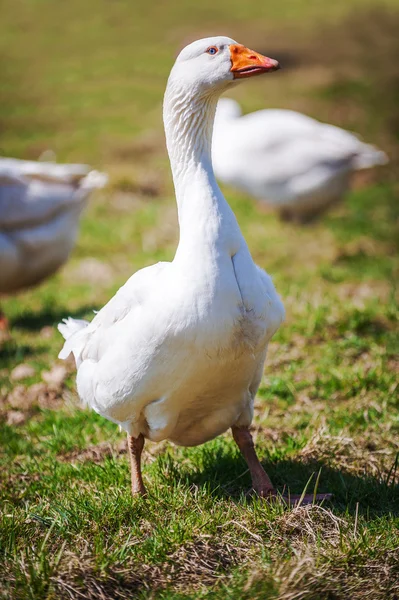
(9, 480)
(393, 365)
(98, 452)
(95, 453)
(22, 371)
(18, 405)
(40, 394)
(56, 376)
(15, 417)
(47, 332)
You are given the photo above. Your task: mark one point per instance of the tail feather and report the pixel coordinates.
(69, 328)
(370, 156)
(94, 180)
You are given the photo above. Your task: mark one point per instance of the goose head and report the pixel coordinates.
(210, 65)
(202, 72)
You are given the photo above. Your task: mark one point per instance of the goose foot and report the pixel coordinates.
(136, 446)
(261, 483)
(292, 500)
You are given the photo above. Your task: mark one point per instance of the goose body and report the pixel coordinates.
(178, 353)
(291, 161)
(40, 206)
(172, 357)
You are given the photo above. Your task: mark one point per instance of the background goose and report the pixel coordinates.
(40, 205)
(178, 352)
(297, 164)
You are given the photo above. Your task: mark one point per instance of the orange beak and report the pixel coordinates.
(247, 63)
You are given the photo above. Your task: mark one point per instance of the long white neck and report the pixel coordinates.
(205, 219)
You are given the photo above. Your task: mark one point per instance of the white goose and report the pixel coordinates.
(178, 352)
(40, 205)
(294, 163)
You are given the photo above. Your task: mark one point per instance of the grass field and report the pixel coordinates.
(86, 79)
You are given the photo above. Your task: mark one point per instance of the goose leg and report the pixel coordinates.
(3, 321)
(261, 482)
(136, 446)
(4, 328)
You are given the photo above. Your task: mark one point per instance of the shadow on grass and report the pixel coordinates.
(226, 476)
(48, 315)
(11, 352)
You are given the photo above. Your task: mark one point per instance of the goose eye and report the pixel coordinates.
(212, 50)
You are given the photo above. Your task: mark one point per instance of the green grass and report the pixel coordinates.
(86, 79)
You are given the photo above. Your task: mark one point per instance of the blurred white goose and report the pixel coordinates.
(296, 164)
(178, 352)
(40, 205)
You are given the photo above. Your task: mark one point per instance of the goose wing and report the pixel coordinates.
(33, 193)
(92, 340)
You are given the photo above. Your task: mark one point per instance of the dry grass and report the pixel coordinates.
(327, 405)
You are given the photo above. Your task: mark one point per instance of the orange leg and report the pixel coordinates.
(3, 321)
(261, 482)
(136, 446)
